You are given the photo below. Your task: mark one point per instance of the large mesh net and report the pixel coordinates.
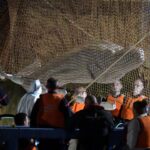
(90, 42)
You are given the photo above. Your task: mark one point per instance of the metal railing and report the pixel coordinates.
(11, 135)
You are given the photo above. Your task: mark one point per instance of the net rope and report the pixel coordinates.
(89, 43)
(134, 46)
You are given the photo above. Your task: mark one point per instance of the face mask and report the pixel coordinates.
(80, 99)
(136, 92)
(83, 95)
(61, 91)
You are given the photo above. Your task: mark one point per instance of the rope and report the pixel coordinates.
(92, 37)
(132, 47)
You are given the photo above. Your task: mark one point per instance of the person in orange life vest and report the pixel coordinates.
(51, 111)
(49, 104)
(79, 99)
(138, 133)
(115, 97)
(21, 119)
(127, 110)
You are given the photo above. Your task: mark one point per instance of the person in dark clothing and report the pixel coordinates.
(21, 119)
(51, 111)
(94, 123)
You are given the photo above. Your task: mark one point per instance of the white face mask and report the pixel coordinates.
(138, 87)
(80, 99)
(83, 95)
(61, 91)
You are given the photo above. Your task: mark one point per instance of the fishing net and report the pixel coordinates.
(89, 42)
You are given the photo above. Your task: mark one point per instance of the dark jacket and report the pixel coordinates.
(94, 123)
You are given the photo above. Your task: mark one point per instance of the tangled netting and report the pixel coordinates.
(88, 42)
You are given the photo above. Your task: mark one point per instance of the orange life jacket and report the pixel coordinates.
(127, 110)
(77, 107)
(119, 101)
(143, 140)
(49, 113)
(31, 147)
(34, 148)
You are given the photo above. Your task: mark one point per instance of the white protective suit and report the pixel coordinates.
(27, 102)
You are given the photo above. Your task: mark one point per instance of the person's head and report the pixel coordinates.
(52, 84)
(90, 100)
(56, 86)
(21, 119)
(138, 87)
(140, 107)
(80, 94)
(117, 86)
(80, 91)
